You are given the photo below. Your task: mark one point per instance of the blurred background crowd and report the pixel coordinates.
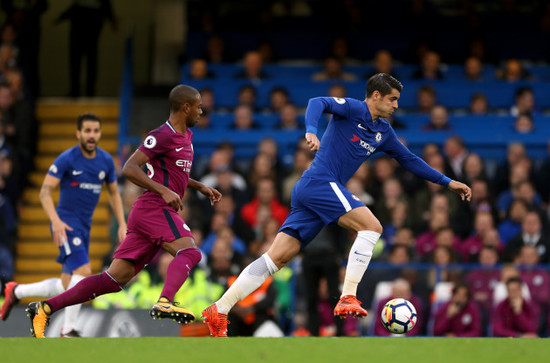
(474, 106)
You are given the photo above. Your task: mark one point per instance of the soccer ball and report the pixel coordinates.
(399, 316)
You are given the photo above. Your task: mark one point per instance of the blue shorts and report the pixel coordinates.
(315, 204)
(75, 252)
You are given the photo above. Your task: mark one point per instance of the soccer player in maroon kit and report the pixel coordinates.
(153, 222)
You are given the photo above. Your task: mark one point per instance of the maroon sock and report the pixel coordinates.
(87, 289)
(178, 271)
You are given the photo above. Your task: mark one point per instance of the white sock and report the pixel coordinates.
(358, 260)
(71, 312)
(252, 277)
(45, 288)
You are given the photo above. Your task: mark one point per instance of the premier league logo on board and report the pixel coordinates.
(150, 142)
(378, 137)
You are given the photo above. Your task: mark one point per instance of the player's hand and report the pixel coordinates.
(452, 310)
(312, 141)
(172, 199)
(461, 189)
(59, 229)
(122, 229)
(213, 194)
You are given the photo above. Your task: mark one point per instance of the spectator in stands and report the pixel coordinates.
(542, 176)
(278, 97)
(521, 189)
(500, 293)
(482, 200)
(86, 25)
(244, 118)
(204, 121)
(215, 51)
(400, 289)
(440, 259)
(473, 69)
(253, 68)
(532, 234)
(473, 168)
(513, 71)
(479, 104)
(333, 72)
(289, 118)
(392, 194)
(6, 149)
(302, 161)
(460, 317)
(198, 70)
(524, 102)
(535, 277)
(429, 67)
(472, 245)
(515, 316)
(223, 261)
(426, 98)
(456, 154)
(265, 48)
(221, 159)
(483, 280)
(339, 49)
(357, 187)
(208, 99)
(426, 242)
(338, 91)
(439, 119)
(515, 154)
(383, 63)
(511, 226)
(9, 199)
(247, 96)
(220, 230)
(398, 219)
(266, 197)
(524, 123)
(9, 51)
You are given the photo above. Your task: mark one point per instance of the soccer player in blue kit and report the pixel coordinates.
(80, 172)
(356, 131)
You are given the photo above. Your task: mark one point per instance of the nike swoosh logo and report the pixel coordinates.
(355, 138)
(164, 306)
(361, 127)
(77, 172)
(360, 254)
(179, 148)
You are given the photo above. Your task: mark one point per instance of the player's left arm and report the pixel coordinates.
(417, 166)
(213, 194)
(116, 204)
(315, 109)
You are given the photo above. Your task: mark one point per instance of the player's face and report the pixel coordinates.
(195, 111)
(89, 136)
(386, 105)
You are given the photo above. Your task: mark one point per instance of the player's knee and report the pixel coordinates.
(377, 227)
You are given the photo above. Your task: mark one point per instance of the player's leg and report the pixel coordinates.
(186, 256)
(14, 292)
(283, 249)
(119, 273)
(368, 230)
(71, 312)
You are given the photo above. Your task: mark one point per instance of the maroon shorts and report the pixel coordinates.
(148, 229)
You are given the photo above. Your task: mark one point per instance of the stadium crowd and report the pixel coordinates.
(470, 269)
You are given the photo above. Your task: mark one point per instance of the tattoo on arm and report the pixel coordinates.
(45, 190)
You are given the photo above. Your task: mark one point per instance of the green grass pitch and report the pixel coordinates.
(98, 350)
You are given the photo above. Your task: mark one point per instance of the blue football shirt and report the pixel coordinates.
(81, 183)
(351, 137)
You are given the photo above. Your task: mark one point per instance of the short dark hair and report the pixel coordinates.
(86, 117)
(460, 286)
(383, 83)
(520, 91)
(181, 94)
(514, 279)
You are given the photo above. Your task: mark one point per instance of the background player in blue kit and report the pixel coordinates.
(356, 131)
(80, 172)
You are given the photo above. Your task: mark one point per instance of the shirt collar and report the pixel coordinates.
(170, 126)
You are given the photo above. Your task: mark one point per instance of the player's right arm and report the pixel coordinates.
(315, 109)
(133, 170)
(58, 226)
